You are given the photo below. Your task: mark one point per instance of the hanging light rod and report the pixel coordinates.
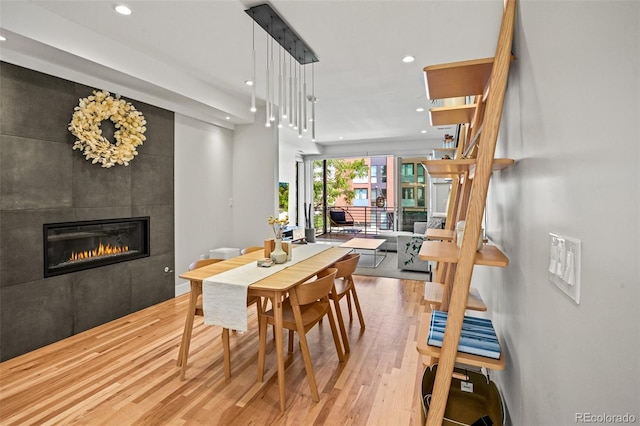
(281, 32)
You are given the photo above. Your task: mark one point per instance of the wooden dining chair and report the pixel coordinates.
(197, 311)
(251, 249)
(305, 306)
(345, 286)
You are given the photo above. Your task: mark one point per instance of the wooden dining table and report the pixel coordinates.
(274, 287)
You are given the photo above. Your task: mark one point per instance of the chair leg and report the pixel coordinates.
(343, 329)
(334, 332)
(349, 306)
(357, 303)
(306, 356)
(291, 333)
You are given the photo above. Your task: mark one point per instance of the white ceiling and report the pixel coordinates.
(194, 56)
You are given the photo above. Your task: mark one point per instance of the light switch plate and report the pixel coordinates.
(564, 264)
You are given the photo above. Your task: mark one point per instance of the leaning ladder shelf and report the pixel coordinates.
(485, 80)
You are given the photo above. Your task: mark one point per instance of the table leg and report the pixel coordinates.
(183, 353)
(277, 314)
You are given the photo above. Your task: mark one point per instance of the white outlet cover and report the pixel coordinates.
(564, 264)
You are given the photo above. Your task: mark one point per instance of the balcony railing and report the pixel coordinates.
(372, 220)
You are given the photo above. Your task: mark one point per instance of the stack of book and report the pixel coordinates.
(477, 336)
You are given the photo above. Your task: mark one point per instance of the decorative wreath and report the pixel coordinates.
(85, 125)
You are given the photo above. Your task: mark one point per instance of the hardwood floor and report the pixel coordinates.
(125, 373)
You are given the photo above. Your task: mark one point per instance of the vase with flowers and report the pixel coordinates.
(278, 255)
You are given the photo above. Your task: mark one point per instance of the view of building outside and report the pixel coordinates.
(414, 192)
(370, 195)
(380, 182)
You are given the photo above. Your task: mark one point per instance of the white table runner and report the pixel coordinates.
(224, 295)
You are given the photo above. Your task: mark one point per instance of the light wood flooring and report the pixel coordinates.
(125, 373)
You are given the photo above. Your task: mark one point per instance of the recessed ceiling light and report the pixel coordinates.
(228, 118)
(3, 38)
(423, 131)
(419, 109)
(248, 82)
(340, 137)
(122, 9)
(408, 59)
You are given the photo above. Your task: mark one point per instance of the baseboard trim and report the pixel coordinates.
(182, 288)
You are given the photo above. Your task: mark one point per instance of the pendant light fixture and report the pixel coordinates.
(284, 79)
(313, 103)
(272, 92)
(286, 94)
(304, 102)
(280, 103)
(295, 98)
(300, 102)
(290, 91)
(253, 77)
(267, 114)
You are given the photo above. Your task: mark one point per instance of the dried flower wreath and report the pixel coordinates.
(85, 126)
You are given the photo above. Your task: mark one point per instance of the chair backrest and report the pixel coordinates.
(347, 266)
(203, 262)
(251, 249)
(338, 216)
(319, 288)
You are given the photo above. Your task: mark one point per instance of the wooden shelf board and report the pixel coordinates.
(498, 164)
(463, 358)
(445, 251)
(450, 168)
(433, 294)
(440, 234)
(452, 80)
(457, 114)
(447, 168)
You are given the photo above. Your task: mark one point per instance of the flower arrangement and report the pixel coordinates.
(85, 125)
(278, 225)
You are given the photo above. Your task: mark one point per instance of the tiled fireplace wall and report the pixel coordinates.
(42, 180)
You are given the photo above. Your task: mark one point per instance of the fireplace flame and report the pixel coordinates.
(101, 250)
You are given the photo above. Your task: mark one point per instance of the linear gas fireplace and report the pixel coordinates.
(75, 246)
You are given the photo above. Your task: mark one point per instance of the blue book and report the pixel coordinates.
(436, 337)
(477, 336)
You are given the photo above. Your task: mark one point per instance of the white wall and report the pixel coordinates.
(226, 186)
(288, 157)
(203, 184)
(255, 181)
(571, 122)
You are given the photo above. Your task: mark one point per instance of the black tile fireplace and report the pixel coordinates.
(75, 246)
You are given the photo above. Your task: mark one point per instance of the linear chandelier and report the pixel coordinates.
(286, 81)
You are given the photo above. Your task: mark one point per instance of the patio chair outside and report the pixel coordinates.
(342, 219)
